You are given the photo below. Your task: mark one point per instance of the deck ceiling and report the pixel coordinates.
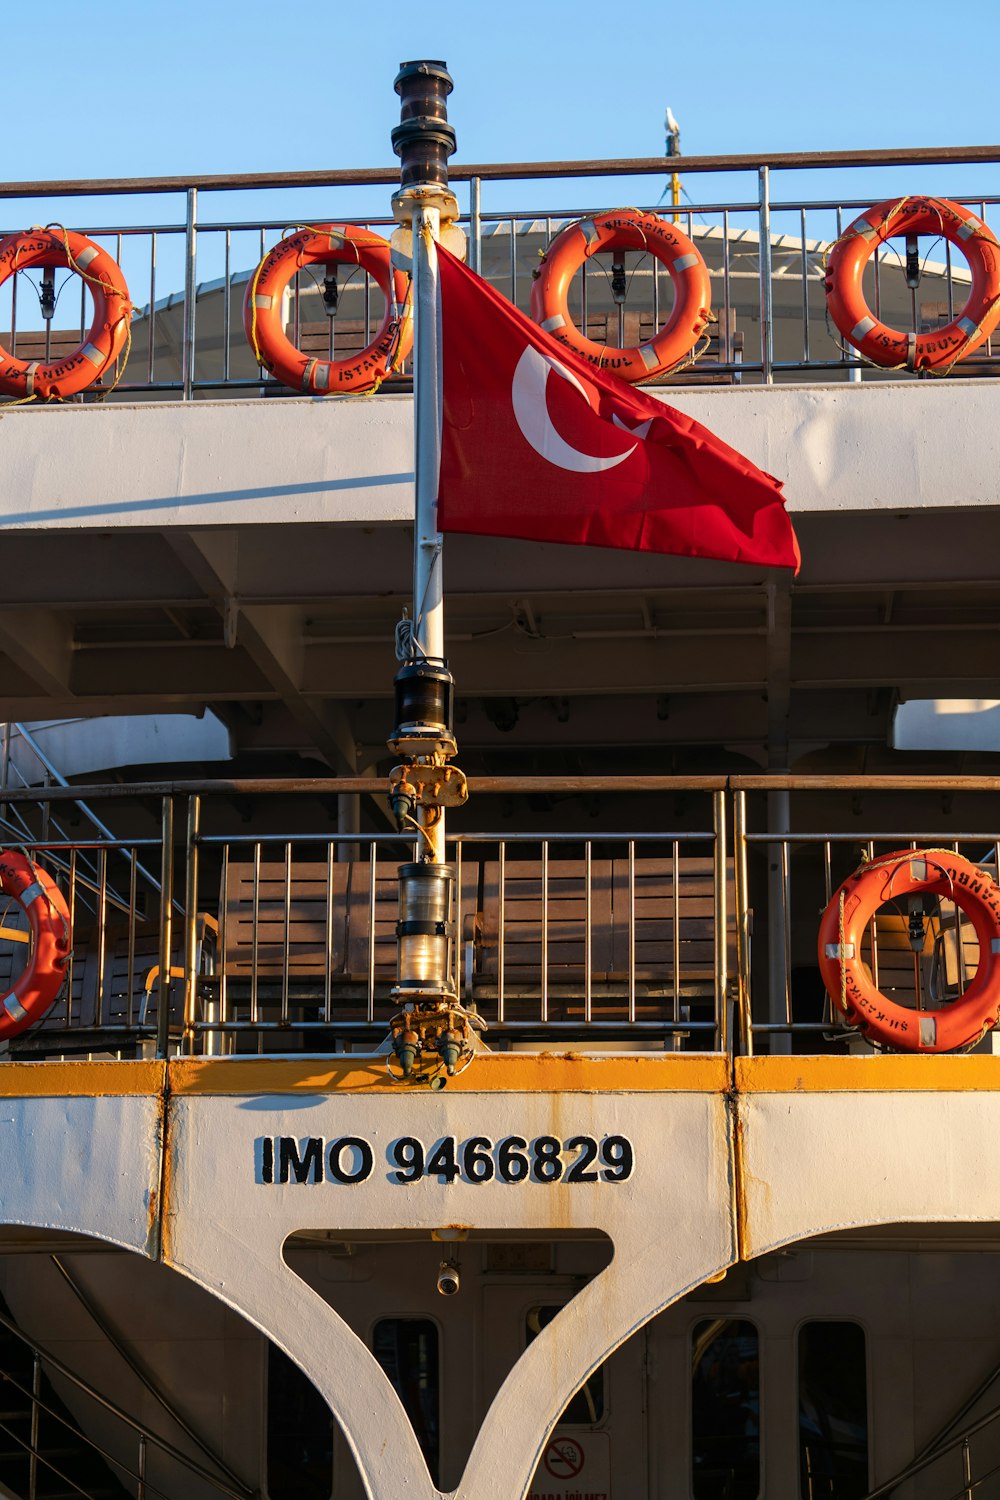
(287, 633)
(146, 570)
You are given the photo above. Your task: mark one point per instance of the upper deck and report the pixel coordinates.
(201, 538)
(256, 546)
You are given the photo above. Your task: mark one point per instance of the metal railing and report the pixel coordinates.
(691, 924)
(766, 252)
(956, 1476)
(46, 1462)
(796, 838)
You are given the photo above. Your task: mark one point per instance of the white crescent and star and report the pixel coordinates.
(532, 416)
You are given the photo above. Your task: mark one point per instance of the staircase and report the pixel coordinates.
(43, 1454)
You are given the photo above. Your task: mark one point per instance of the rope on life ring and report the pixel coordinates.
(327, 244)
(625, 229)
(939, 872)
(44, 906)
(935, 352)
(110, 332)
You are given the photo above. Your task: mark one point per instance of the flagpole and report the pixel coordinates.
(428, 558)
(433, 1034)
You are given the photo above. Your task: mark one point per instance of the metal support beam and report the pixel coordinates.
(39, 643)
(271, 636)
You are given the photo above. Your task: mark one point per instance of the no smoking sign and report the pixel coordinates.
(576, 1467)
(563, 1458)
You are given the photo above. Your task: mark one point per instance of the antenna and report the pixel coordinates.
(672, 147)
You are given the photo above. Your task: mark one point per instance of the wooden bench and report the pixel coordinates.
(319, 923)
(934, 315)
(724, 345)
(657, 922)
(62, 342)
(315, 943)
(293, 941)
(31, 343)
(350, 336)
(931, 975)
(113, 979)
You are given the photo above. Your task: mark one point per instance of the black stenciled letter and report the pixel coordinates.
(305, 1168)
(363, 1157)
(265, 1162)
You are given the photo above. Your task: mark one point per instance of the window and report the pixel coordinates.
(299, 1434)
(725, 1410)
(586, 1408)
(407, 1350)
(833, 1411)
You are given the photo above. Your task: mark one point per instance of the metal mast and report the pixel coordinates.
(432, 1031)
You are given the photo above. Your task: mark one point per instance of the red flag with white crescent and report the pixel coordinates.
(538, 444)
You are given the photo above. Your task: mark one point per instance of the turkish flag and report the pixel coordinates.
(539, 444)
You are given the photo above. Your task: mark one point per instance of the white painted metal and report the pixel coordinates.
(227, 1232)
(428, 567)
(90, 1165)
(81, 747)
(838, 448)
(946, 724)
(924, 1295)
(870, 1157)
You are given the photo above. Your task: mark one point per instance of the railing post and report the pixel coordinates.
(36, 1391)
(166, 923)
(967, 1470)
(190, 292)
(191, 920)
(764, 260)
(475, 227)
(140, 1489)
(721, 922)
(778, 915)
(742, 923)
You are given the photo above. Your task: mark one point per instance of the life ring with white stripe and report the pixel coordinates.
(263, 322)
(940, 349)
(625, 229)
(938, 872)
(54, 380)
(50, 931)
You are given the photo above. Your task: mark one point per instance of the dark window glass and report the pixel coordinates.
(587, 1406)
(407, 1350)
(299, 1434)
(725, 1410)
(833, 1411)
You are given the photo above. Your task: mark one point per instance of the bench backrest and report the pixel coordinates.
(317, 915)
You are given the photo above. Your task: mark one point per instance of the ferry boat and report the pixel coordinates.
(667, 1221)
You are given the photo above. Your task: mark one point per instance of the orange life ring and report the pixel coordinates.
(848, 981)
(915, 351)
(625, 229)
(45, 907)
(59, 378)
(328, 244)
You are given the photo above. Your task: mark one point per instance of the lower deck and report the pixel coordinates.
(818, 1371)
(676, 1276)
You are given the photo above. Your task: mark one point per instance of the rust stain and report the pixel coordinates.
(156, 1208)
(739, 1181)
(449, 1234)
(742, 1180)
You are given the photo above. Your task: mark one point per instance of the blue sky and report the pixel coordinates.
(158, 86)
(130, 88)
